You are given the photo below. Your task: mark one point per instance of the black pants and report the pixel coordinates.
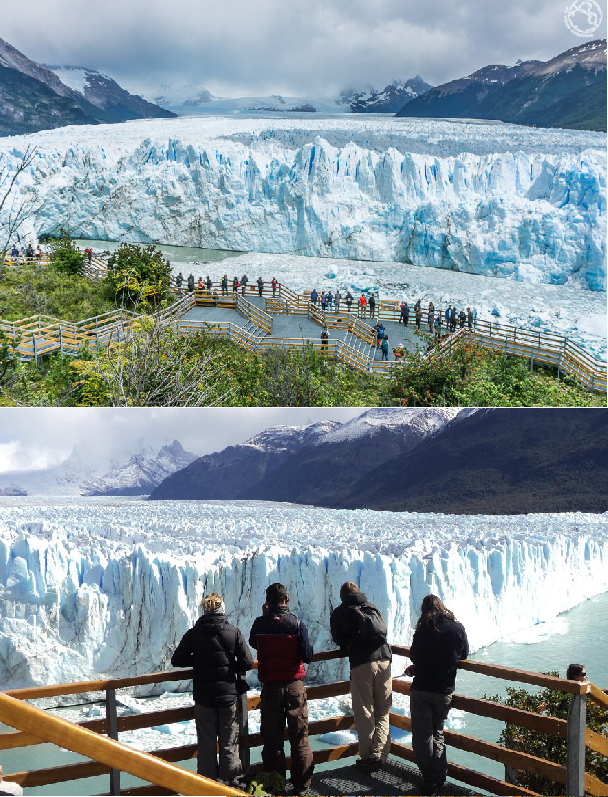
(285, 701)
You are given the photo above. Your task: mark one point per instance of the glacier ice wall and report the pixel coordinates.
(102, 587)
(486, 199)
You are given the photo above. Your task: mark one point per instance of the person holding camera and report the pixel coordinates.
(220, 656)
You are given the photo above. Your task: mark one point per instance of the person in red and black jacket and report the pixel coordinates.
(281, 640)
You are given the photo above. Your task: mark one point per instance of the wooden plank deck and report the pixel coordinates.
(395, 778)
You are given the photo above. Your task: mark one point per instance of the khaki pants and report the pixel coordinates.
(213, 726)
(371, 690)
(286, 701)
(429, 711)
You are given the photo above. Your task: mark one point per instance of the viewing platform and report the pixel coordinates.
(257, 320)
(98, 740)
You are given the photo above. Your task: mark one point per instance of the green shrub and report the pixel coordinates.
(65, 255)
(549, 702)
(138, 274)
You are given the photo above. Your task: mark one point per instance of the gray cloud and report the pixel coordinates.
(34, 438)
(304, 46)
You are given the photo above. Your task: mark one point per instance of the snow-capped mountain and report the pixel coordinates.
(62, 479)
(306, 464)
(141, 474)
(392, 97)
(231, 472)
(34, 97)
(115, 104)
(79, 475)
(566, 91)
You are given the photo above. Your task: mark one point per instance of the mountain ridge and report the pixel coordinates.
(538, 93)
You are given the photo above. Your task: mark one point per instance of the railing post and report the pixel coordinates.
(34, 348)
(576, 733)
(112, 720)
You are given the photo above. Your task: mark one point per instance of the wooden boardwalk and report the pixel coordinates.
(289, 320)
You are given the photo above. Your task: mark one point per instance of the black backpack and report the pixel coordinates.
(372, 628)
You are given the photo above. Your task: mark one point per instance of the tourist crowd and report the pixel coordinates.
(220, 657)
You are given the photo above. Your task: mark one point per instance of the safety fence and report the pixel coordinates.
(538, 347)
(98, 739)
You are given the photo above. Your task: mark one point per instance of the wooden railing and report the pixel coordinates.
(37, 727)
(539, 347)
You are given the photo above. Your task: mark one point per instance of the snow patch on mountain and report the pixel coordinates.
(290, 438)
(428, 421)
(142, 473)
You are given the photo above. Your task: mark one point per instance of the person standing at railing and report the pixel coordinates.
(439, 644)
(219, 655)
(358, 628)
(244, 281)
(314, 296)
(275, 285)
(224, 285)
(200, 285)
(190, 283)
(178, 281)
(208, 283)
(453, 320)
(38, 254)
(372, 305)
(447, 316)
(469, 318)
(15, 252)
(281, 640)
(235, 285)
(362, 305)
(431, 316)
(337, 300)
(405, 313)
(330, 301)
(462, 317)
(438, 326)
(260, 286)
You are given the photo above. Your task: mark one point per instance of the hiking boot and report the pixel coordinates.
(368, 765)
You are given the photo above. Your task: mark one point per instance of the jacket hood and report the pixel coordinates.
(355, 599)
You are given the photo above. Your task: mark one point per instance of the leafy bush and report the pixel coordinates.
(138, 274)
(549, 702)
(65, 255)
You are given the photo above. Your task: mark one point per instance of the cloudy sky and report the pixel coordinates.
(32, 439)
(237, 47)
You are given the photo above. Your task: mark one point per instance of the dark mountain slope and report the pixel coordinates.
(28, 105)
(499, 462)
(567, 91)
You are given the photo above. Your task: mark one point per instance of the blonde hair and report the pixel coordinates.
(212, 602)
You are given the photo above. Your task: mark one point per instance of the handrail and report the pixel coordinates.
(521, 760)
(544, 347)
(107, 751)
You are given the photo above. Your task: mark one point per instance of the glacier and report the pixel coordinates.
(480, 198)
(107, 586)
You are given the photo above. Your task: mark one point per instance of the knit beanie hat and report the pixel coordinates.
(213, 603)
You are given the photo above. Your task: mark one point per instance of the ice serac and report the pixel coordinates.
(88, 589)
(486, 198)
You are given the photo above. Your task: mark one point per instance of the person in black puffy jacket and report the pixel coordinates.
(439, 644)
(219, 654)
(281, 640)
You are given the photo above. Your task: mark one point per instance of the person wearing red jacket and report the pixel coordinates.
(281, 640)
(362, 305)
